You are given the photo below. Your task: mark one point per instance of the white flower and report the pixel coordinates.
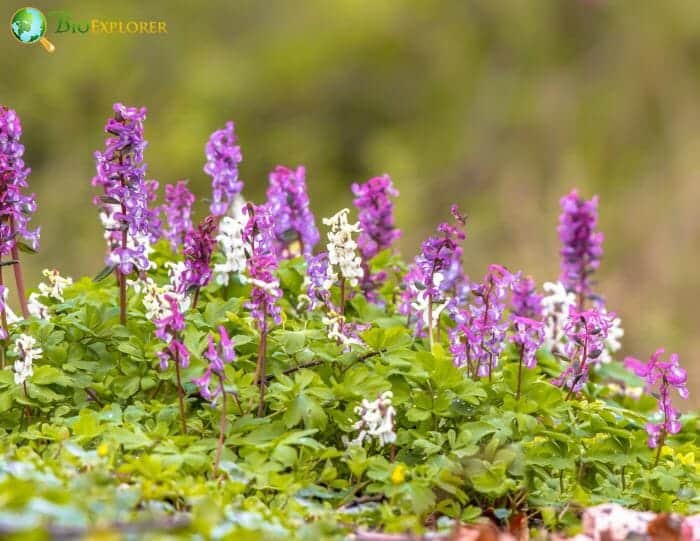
(154, 301)
(154, 296)
(11, 316)
(342, 248)
(36, 307)
(612, 342)
(337, 330)
(111, 224)
(555, 311)
(421, 304)
(270, 287)
(176, 273)
(25, 346)
(376, 420)
(230, 238)
(57, 283)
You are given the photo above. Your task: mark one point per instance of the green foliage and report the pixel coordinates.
(96, 442)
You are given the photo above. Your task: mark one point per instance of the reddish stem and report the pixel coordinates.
(3, 316)
(121, 277)
(222, 425)
(520, 373)
(27, 408)
(584, 358)
(180, 396)
(18, 275)
(430, 321)
(196, 298)
(262, 363)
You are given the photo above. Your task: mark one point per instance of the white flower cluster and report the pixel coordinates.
(37, 308)
(421, 304)
(230, 238)
(337, 329)
(612, 342)
(342, 248)
(620, 390)
(154, 301)
(555, 312)
(154, 296)
(27, 351)
(110, 224)
(9, 314)
(57, 283)
(376, 420)
(176, 274)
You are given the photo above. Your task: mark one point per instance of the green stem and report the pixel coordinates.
(430, 321)
(520, 374)
(662, 441)
(342, 296)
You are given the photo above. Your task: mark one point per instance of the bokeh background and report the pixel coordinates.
(500, 106)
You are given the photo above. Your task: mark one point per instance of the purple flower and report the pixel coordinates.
(217, 358)
(478, 337)
(486, 316)
(664, 374)
(586, 332)
(293, 220)
(16, 207)
(525, 301)
(266, 291)
(223, 158)
(130, 225)
(436, 273)
(317, 282)
(528, 338)
(258, 234)
(178, 212)
(198, 249)
(169, 329)
(581, 243)
(376, 215)
(258, 230)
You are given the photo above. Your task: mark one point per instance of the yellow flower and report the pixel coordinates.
(102, 449)
(398, 476)
(687, 459)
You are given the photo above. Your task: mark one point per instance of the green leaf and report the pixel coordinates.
(104, 273)
(306, 408)
(47, 375)
(87, 426)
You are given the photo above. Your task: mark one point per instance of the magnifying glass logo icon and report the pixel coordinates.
(28, 25)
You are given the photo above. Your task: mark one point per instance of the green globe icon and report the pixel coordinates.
(28, 25)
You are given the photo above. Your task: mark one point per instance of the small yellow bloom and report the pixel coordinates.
(687, 459)
(102, 449)
(398, 476)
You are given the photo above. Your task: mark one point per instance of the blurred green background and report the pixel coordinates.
(501, 106)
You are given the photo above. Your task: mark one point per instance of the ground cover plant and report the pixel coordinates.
(235, 376)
